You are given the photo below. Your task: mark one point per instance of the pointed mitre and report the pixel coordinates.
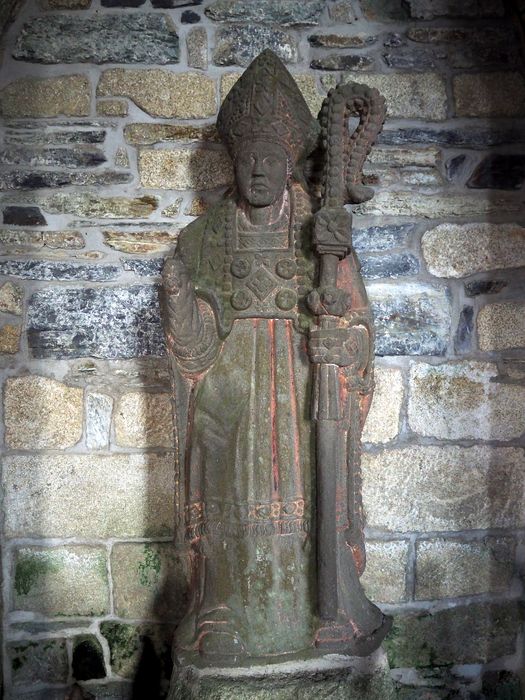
(266, 104)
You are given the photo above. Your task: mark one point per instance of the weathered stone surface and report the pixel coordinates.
(11, 299)
(98, 420)
(197, 207)
(478, 287)
(137, 242)
(305, 82)
(148, 134)
(40, 661)
(41, 412)
(23, 216)
(46, 97)
(342, 62)
(122, 3)
(174, 3)
(50, 270)
(384, 579)
(88, 658)
(473, 633)
(473, 137)
(342, 12)
(33, 180)
(395, 265)
(404, 156)
(409, 96)
(121, 158)
(127, 646)
(501, 326)
(59, 581)
(463, 337)
(151, 267)
(144, 420)
(384, 10)
(382, 423)
(440, 488)
(172, 211)
(240, 44)
(96, 206)
(76, 157)
(462, 401)
(450, 568)
(458, 250)
(190, 17)
(430, 9)
(197, 48)
(409, 58)
(148, 582)
(456, 167)
(15, 241)
(112, 108)
(379, 238)
(10, 339)
(130, 495)
(434, 206)
(499, 171)
(185, 169)
(411, 319)
(341, 41)
(287, 14)
(116, 322)
(489, 94)
(454, 35)
(68, 4)
(162, 93)
(30, 134)
(99, 38)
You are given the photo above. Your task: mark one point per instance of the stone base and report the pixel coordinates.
(332, 676)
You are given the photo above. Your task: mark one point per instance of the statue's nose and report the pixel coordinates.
(258, 167)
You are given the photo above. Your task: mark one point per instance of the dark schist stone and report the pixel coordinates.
(478, 287)
(289, 13)
(342, 62)
(190, 17)
(339, 41)
(240, 44)
(463, 339)
(412, 59)
(52, 270)
(456, 167)
(36, 137)
(169, 4)
(122, 3)
(143, 268)
(35, 180)
(499, 172)
(77, 157)
(23, 216)
(381, 266)
(88, 659)
(109, 322)
(378, 238)
(475, 137)
(106, 38)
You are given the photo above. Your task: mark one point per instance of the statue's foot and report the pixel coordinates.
(344, 638)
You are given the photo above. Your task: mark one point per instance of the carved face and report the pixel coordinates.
(261, 171)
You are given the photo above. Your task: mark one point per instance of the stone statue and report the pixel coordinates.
(270, 339)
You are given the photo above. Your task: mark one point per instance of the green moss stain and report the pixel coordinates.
(149, 567)
(123, 641)
(29, 569)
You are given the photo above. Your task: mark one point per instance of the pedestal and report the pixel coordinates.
(332, 676)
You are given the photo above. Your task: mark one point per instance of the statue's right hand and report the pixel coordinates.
(175, 276)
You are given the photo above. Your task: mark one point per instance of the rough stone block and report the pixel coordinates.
(46, 97)
(382, 423)
(131, 495)
(472, 137)
(80, 156)
(287, 14)
(17, 242)
(60, 581)
(341, 41)
(51, 270)
(10, 339)
(94, 206)
(462, 401)
(112, 108)
(144, 420)
(98, 38)
(23, 216)
(98, 421)
(376, 239)
(437, 206)
(40, 412)
(116, 322)
(68, 4)
(240, 44)
(450, 568)
(36, 662)
(501, 326)
(410, 319)
(460, 635)
(197, 48)
(499, 171)
(150, 133)
(150, 267)
(430, 9)
(395, 265)
(162, 93)
(442, 488)
(11, 298)
(29, 180)
(409, 96)
(384, 579)
(342, 62)
(459, 250)
(489, 94)
(184, 169)
(141, 242)
(148, 582)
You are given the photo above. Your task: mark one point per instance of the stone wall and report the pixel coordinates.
(108, 150)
